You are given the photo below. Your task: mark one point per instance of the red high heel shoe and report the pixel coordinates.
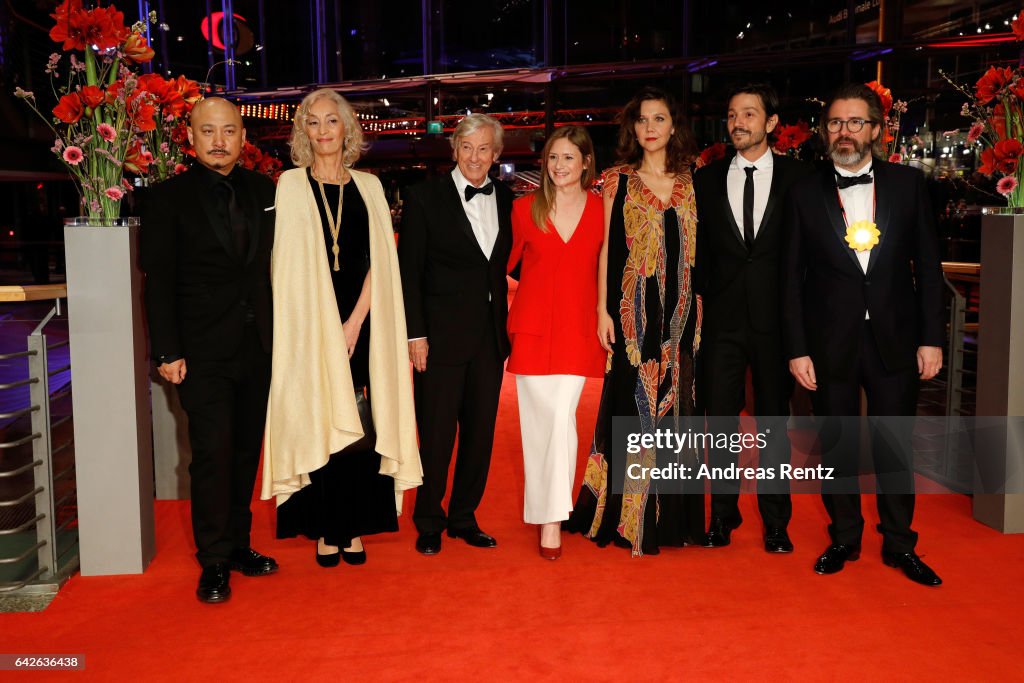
(545, 552)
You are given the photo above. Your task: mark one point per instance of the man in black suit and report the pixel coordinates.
(863, 295)
(739, 234)
(205, 250)
(453, 251)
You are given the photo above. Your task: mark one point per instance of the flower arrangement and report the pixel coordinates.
(711, 153)
(108, 119)
(996, 107)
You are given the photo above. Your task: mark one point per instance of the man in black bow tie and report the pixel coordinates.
(863, 309)
(453, 249)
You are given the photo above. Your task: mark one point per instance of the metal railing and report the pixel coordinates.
(39, 541)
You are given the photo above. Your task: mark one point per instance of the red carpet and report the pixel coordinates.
(506, 614)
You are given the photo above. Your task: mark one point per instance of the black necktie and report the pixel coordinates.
(843, 182)
(473, 191)
(237, 221)
(748, 207)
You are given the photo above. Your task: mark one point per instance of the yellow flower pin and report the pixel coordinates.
(862, 235)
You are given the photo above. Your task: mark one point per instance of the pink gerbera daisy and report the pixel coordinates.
(73, 155)
(107, 132)
(974, 134)
(1006, 185)
(115, 193)
(895, 158)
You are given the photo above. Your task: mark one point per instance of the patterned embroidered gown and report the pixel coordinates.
(650, 374)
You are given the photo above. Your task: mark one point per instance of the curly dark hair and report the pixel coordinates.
(681, 147)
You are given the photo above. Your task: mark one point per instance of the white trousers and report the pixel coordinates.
(547, 420)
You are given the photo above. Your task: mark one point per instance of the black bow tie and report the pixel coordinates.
(843, 182)
(472, 191)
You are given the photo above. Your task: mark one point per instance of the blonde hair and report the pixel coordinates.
(352, 147)
(544, 196)
(471, 123)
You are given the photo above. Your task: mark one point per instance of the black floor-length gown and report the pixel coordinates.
(650, 374)
(347, 497)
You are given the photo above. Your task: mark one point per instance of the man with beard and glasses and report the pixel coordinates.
(206, 254)
(863, 309)
(739, 210)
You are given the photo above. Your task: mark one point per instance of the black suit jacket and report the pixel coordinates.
(454, 295)
(738, 286)
(197, 288)
(826, 292)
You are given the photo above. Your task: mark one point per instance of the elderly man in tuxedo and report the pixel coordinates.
(739, 235)
(206, 254)
(454, 245)
(863, 309)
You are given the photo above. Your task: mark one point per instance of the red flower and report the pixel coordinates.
(791, 137)
(988, 162)
(1017, 26)
(712, 153)
(1007, 155)
(70, 108)
(141, 110)
(179, 134)
(136, 49)
(189, 91)
(884, 94)
(989, 86)
(998, 121)
(92, 96)
(137, 160)
(78, 29)
(895, 158)
(251, 156)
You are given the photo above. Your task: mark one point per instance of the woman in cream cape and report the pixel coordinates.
(312, 410)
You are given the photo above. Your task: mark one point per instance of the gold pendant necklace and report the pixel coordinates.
(334, 222)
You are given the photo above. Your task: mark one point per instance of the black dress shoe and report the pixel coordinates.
(776, 540)
(835, 557)
(913, 567)
(429, 542)
(719, 532)
(353, 556)
(213, 583)
(473, 536)
(251, 563)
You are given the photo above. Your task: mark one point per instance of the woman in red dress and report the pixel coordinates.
(558, 231)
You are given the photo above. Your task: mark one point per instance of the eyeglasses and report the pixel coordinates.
(852, 125)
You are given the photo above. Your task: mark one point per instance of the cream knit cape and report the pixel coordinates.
(311, 411)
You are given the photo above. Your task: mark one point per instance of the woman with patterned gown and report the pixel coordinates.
(649, 322)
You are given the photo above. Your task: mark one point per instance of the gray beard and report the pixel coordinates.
(854, 156)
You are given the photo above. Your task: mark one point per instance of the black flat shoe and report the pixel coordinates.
(328, 560)
(835, 558)
(474, 537)
(353, 556)
(916, 570)
(214, 583)
(776, 540)
(251, 563)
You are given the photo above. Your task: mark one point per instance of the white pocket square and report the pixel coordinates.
(270, 208)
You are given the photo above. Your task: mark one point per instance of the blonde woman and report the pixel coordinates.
(557, 235)
(333, 268)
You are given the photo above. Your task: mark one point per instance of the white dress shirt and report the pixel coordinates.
(859, 203)
(735, 179)
(482, 212)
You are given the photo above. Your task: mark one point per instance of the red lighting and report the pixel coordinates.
(217, 18)
(976, 42)
(39, 186)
